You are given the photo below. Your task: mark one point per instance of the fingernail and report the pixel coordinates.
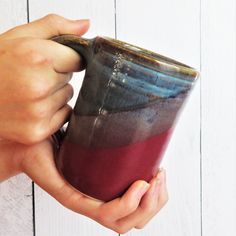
(143, 187)
(83, 21)
(157, 185)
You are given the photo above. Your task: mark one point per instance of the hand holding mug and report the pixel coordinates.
(34, 76)
(141, 202)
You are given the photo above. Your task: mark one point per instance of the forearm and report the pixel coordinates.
(8, 161)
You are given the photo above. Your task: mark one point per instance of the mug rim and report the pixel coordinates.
(165, 64)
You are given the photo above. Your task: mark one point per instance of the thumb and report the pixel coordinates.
(128, 203)
(48, 27)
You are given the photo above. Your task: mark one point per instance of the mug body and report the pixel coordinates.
(123, 117)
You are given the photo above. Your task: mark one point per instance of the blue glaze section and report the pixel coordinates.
(146, 81)
(143, 87)
(154, 74)
(117, 81)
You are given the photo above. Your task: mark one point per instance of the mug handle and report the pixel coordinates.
(81, 45)
(58, 138)
(84, 48)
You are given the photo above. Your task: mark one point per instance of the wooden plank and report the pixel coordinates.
(51, 218)
(172, 28)
(219, 117)
(13, 13)
(16, 193)
(16, 207)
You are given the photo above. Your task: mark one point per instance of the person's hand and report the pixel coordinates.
(133, 210)
(34, 76)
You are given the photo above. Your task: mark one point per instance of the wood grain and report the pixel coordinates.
(199, 33)
(16, 207)
(172, 28)
(219, 117)
(16, 193)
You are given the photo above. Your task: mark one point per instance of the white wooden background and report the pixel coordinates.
(201, 158)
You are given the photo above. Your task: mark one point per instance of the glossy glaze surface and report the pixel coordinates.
(129, 96)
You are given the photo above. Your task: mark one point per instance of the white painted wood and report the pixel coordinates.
(219, 117)
(16, 207)
(51, 218)
(13, 13)
(172, 28)
(16, 193)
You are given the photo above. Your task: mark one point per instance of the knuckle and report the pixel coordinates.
(33, 134)
(36, 58)
(37, 89)
(22, 44)
(51, 18)
(27, 52)
(38, 134)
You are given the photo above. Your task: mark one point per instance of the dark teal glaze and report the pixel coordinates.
(120, 78)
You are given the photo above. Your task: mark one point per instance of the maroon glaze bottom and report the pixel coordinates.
(105, 174)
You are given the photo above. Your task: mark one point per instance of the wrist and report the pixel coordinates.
(10, 164)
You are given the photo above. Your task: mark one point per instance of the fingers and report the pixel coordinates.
(164, 196)
(134, 209)
(33, 69)
(128, 203)
(39, 165)
(49, 106)
(64, 59)
(47, 54)
(149, 206)
(51, 60)
(146, 209)
(60, 98)
(49, 26)
(59, 119)
(47, 127)
(59, 81)
(157, 203)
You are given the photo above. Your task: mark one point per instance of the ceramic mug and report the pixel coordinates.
(123, 117)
